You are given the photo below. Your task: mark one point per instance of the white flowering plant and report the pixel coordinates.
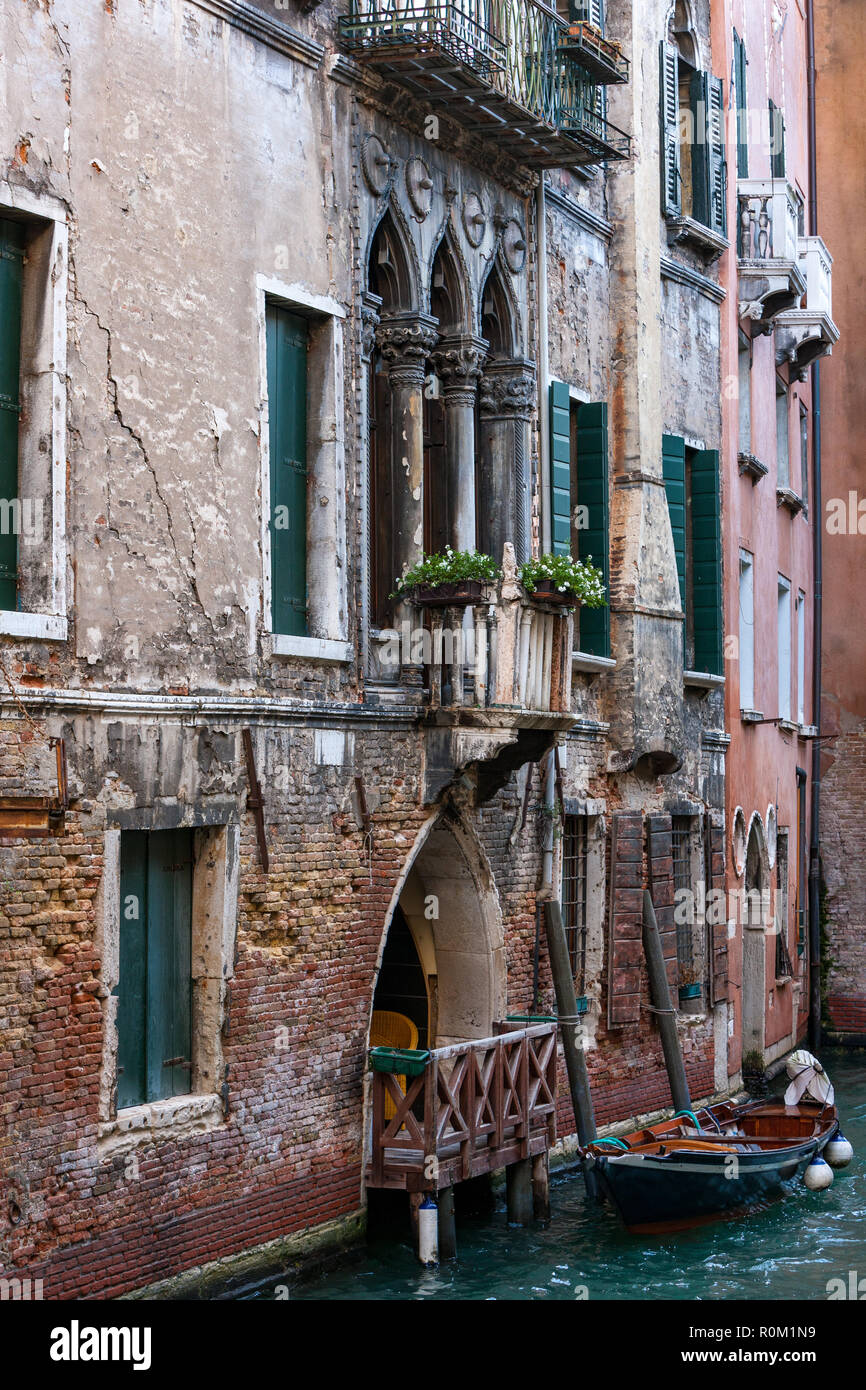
(448, 567)
(579, 578)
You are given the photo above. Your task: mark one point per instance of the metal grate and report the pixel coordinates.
(574, 862)
(784, 967)
(681, 849)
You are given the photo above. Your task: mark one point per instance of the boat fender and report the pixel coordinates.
(428, 1232)
(818, 1175)
(839, 1151)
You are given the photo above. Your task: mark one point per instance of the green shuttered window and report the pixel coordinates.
(709, 169)
(777, 142)
(740, 64)
(669, 110)
(11, 279)
(579, 485)
(287, 414)
(154, 989)
(691, 481)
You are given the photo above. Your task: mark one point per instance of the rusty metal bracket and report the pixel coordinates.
(254, 798)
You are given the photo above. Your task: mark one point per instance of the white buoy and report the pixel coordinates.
(839, 1151)
(818, 1175)
(428, 1231)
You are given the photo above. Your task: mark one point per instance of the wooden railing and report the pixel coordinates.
(477, 1106)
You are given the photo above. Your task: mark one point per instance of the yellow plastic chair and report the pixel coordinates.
(388, 1029)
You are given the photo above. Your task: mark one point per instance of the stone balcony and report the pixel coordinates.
(805, 334)
(771, 278)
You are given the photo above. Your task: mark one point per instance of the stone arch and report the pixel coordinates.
(461, 943)
(756, 881)
(449, 294)
(499, 316)
(682, 31)
(392, 263)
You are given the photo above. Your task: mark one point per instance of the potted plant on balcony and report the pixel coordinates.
(560, 579)
(448, 579)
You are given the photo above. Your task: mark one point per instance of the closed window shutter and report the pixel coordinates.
(169, 982)
(709, 169)
(707, 562)
(777, 142)
(674, 474)
(669, 113)
(560, 469)
(287, 413)
(589, 10)
(742, 107)
(11, 276)
(594, 539)
(131, 985)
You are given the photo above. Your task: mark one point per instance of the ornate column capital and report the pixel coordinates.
(405, 342)
(458, 362)
(371, 304)
(508, 390)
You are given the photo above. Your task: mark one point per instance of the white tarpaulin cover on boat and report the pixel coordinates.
(808, 1078)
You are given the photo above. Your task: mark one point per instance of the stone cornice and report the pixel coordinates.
(272, 32)
(684, 275)
(201, 709)
(590, 221)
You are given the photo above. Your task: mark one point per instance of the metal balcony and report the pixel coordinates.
(496, 66)
(600, 57)
(771, 279)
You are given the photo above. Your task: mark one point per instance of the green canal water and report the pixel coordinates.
(786, 1249)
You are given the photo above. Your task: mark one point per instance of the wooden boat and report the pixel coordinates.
(699, 1166)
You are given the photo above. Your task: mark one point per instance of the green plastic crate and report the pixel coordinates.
(399, 1061)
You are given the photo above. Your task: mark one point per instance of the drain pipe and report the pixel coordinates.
(818, 594)
(542, 370)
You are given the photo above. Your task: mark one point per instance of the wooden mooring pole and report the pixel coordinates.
(661, 1001)
(569, 1028)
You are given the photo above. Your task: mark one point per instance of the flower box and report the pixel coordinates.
(546, 590)
(460, 591)
(399, 1061)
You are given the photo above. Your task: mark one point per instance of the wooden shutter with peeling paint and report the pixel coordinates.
(669, 109)
(593, 540)
(706, 538)
(709, 169)
(560, 469)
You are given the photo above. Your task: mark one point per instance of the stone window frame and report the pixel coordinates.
(215, 886)
(596, 902)
(327, 550)
(44, 387)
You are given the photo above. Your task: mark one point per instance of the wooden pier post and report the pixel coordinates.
(569, 1027)
(518, 1191)
(541, 1187)
(447, 1225)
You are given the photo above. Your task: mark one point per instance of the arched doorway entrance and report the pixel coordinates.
(753, 918)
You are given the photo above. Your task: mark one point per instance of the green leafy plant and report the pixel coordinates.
(448, 567)
(568, 576)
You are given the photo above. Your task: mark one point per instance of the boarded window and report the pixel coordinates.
(154, 989)
(574, 895)
(684, 897)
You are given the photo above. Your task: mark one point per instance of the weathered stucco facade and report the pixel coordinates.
(181, 167)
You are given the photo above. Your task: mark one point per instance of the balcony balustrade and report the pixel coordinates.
(502, 68)
(805, 334)
(771, 278)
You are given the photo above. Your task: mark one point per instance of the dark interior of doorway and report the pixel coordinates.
(401, 987)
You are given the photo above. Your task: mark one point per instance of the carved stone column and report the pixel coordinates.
(405, 342)
(458, 362)
(506, 397)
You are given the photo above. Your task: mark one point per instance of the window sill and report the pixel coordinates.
(591, 665)
(752, 716)
(807, 731)
(750, 465)
(176, 1118)
(703, 680)
(310, 648)
(45, 627)
(706, 241)
(790, 726)
(786, 497)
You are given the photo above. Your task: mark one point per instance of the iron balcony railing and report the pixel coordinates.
(513, 51)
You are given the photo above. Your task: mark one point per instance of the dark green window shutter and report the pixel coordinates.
(777, 142)
(131, 984)
(707, 562)
(669, 112)
(594, 540)
(742, 107)
(154, 989)
(560, 469)
(287, 413)
(11, 276)
(589, 10)
(169, 982)
(674, 474)
(709, 169)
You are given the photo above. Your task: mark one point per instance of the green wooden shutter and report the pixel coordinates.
(560, 469)
(594, 540)
(674, 474)
(740, 65)
(131, 985)
(169, 981)
(11, 277)
(590, 10)
(777, 141)
(669, 112)
(709, 169)
(287, 412)
(707, 562)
